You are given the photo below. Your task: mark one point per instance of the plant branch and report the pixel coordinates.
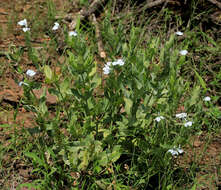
(84, 13)
(151, 4)
(218, 4)
(99, 38)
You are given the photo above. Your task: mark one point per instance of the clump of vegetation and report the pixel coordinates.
(122, 121)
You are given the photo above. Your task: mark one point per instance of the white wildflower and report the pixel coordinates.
(179, 33)
(188, 124)
(56, 26)
(183, 52)
(30, 73)
(159, 118)
(114, 63)
(120, 62)
(23, 23)
(207, 99)
(22, 83)
(117, 62)
(109, 64)
(106, 69)
(25, 29)
(175, 151)
(72, 33)
(181, 115)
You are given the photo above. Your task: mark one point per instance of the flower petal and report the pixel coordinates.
(181, 115)
(72, 33)
(22, 83)
(159, 118)
(23, 23)
(183, 52)
(56, 26)
(30, 73)
(207, 99)
(188, 124)
(179, 33)
(25, 29)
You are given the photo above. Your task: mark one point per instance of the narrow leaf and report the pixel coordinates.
(128, 105)
(48, 72)
(202, 83)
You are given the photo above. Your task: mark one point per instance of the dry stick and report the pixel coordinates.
(114, 5)
(218, 4)
(152, 4)
(86, 12)
(3, 13)
(99, 38)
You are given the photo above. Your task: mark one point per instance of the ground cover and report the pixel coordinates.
(100, 105)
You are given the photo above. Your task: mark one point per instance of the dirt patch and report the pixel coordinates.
(204, 155)
(13, 170)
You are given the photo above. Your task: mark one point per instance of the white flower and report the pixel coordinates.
(25, 29)
(23, 23)
(188, 124)
(207, 99)
(72, 33)
(56, 26)
(175, 151)
(106, 69)
(179, 33)
(30, 73)
(109, 64)
(181, 115)
(183, 52)
(157, 119)
(22, 83)
(115, 63)
(120, 62)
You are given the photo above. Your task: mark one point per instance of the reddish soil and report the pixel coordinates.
(13, 170)
(204, 153)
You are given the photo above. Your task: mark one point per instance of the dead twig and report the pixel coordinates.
(99, 38)
(218, 4)
(84, 13)
(151, 4)
(3, 13)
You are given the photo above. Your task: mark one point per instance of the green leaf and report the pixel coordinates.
(194, 187)
(138, 84)
(202, 83)
(43, 108)
(35, 158)
(96, 81)
(162, 55)
(90, 103)
(103, 161)
(28, 186)
(64, 88)
(6, 125)
(48, 73)
(128, 105)
(94, 70)
(194, 96)
(116, 153)
(101, 184)
(169, 43)
(84, 160)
